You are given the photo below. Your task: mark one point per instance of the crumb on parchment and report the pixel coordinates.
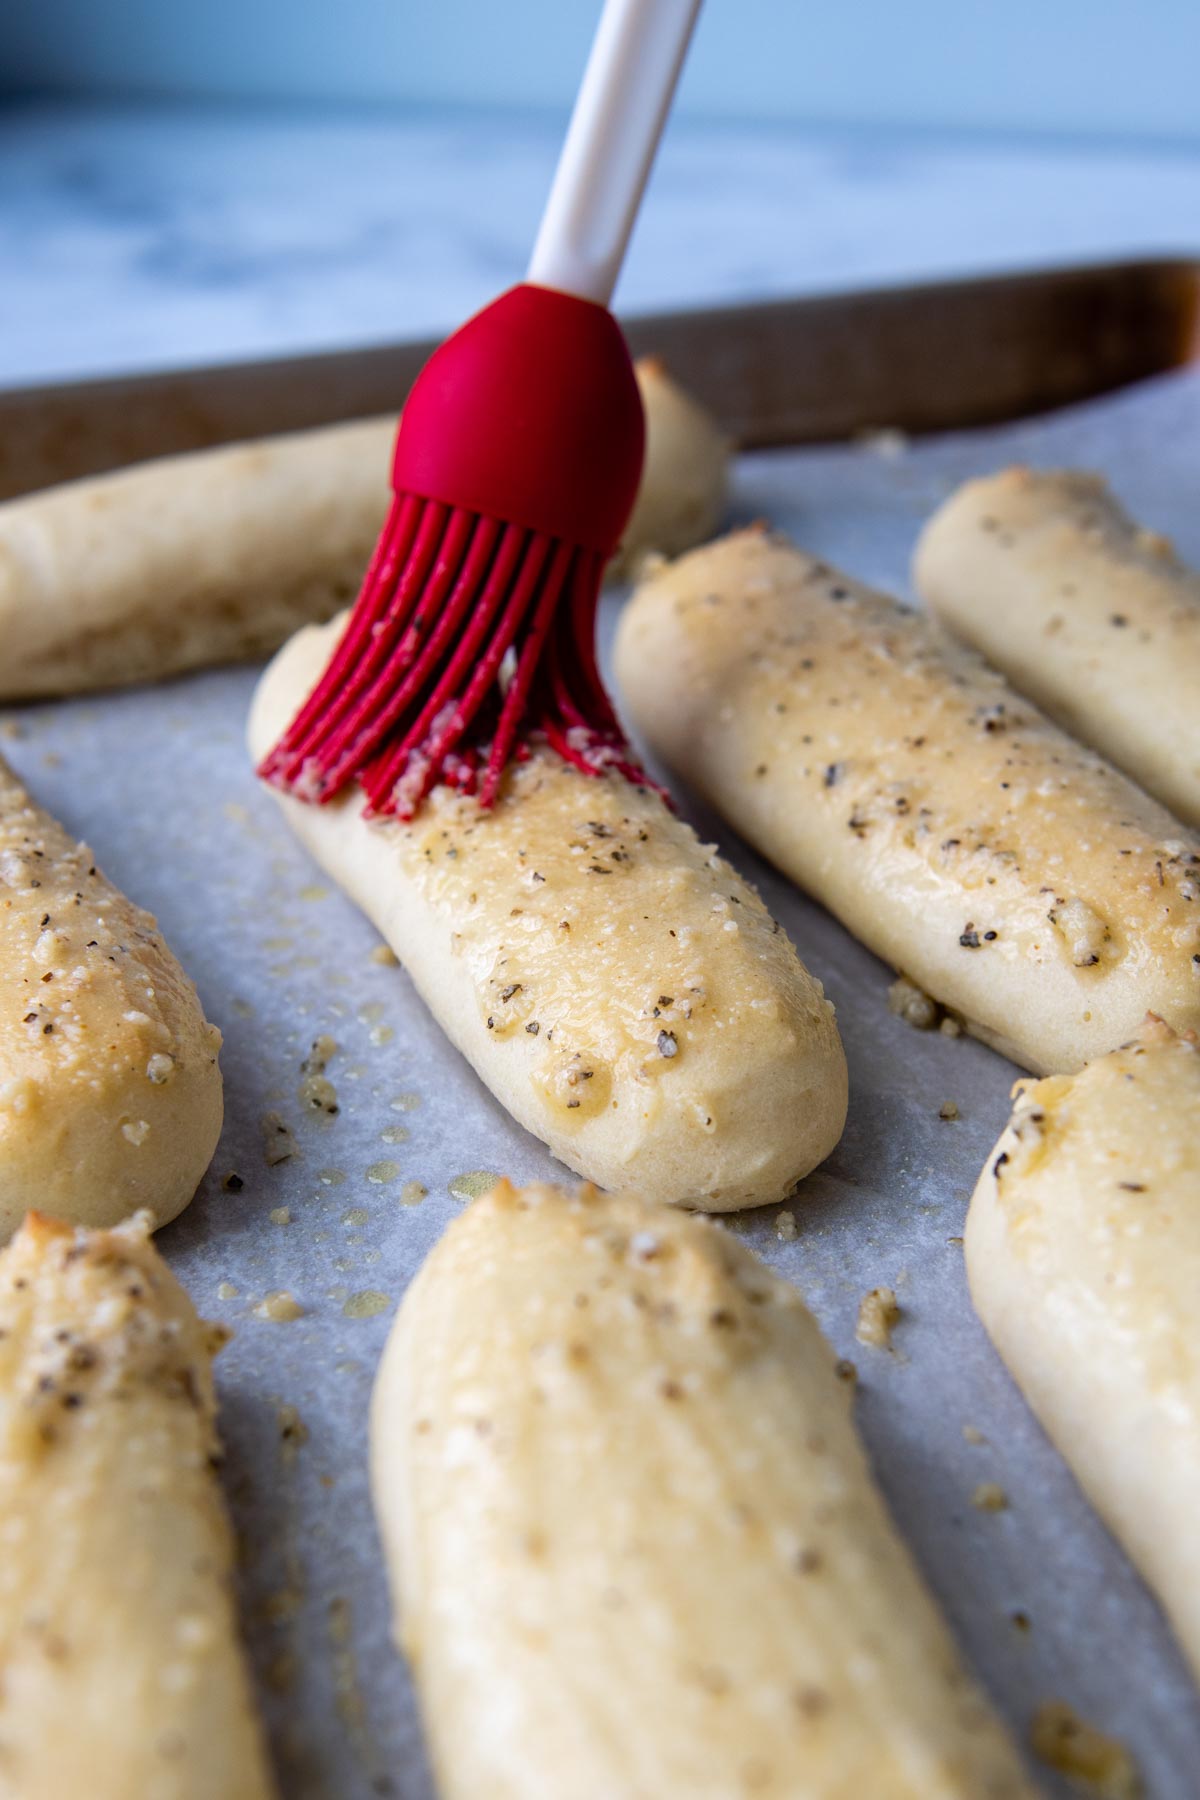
(279, 1143)
(878, 1313)
(912, 1004)
(472, 1184)
(989, 1496)
(279, 1307)
(1098, 1764)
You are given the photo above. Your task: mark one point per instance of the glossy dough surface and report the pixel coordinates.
(110, 1093)
(618, 987)
(635, 1546)
(123, 1675)
(1083, 1253)
(1093, 617)
(1011, 874)
(219, 555)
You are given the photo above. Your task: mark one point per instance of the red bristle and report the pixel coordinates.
(412, 694)
(394, 672)
(391, 763)
(320, 746)
(363, 742)
(390, 551)
(451, 707)
(513, 707)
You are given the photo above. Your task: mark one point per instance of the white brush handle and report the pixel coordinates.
(614, 131)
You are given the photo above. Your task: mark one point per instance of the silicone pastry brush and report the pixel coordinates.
(516, 466)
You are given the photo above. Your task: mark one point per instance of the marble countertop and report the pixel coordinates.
(150, 236)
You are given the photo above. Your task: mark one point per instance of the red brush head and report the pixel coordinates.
(517, 464)
(531, 414)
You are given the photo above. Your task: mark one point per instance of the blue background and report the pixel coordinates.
(1096, 68)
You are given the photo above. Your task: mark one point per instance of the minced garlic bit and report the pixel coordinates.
(412, 1193)
(316, 1092)
(1064, 1741)
(1084, 930)
(878, 1313)
(947, 1110)
(135, 1132)
(226, 1291)
(279, 1145)
(912, 1004)
(385, 956)
(279, 1307)
(160, 1068)
(785, 1225)
(989, 1496)
(293, 1431)
(281, 1215)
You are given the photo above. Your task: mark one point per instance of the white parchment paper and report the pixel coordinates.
(158, 781)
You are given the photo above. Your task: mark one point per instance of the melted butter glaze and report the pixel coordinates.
(613, 981)
(98, 1021)
(903, 782)
(594, 922)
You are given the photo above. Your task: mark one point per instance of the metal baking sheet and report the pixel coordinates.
(930, 358)
(158, 781)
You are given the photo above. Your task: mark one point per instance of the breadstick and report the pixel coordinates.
(220, 555)
(123, 1676)
(1012, 875)
(110, 1093)
(1083, 1253)
(634, 1544)
(618, 987)
(1094, 618)
(687, 462)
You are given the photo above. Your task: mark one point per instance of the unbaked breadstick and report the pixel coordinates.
(687, 462)
(1094, 618)
(618, 987)
(219, 555)
(1012, 875)
(634, 1544)
(110, 1093)
(123, 1675)
(1083, 1253)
